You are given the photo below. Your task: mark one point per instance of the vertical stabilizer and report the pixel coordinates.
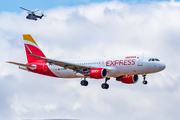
(32, 47)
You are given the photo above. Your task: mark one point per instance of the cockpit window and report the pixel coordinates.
(157, 60)
(154, 59)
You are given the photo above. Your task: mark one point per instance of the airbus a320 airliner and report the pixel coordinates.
(125, 68)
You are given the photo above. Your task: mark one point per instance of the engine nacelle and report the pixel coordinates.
(98, 73)
(128, 79)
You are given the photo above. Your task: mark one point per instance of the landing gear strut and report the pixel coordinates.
(105, 85)
(144, 79)
(84, 82)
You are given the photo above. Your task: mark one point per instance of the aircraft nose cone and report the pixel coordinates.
(162, 66)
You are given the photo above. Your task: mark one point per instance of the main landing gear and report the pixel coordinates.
(84, 82)
(105, 85)
(144, 79)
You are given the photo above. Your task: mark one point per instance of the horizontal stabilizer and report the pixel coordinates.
(20, 64)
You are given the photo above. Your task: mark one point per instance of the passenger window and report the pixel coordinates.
(152, 59)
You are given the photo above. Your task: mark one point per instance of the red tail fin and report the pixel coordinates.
(31, 47)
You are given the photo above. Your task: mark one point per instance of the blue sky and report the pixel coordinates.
(13, 6)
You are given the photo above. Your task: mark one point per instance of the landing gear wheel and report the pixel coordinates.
(144, 82)
(105, 86)
(84, 82)
(144, 79)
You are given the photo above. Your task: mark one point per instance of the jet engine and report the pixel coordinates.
(98, 73)
(128, 79)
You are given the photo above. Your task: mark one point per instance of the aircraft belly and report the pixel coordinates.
(65, 73)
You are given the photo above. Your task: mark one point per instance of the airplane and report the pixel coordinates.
(124, 68)
(31, 14)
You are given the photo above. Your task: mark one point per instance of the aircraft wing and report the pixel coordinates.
(64, 64)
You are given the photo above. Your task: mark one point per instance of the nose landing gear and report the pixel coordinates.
(144, 79)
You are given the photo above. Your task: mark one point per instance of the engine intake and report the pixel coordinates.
(128, 79)
(98, 73)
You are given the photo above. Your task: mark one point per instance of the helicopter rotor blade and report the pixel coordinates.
(35, 11)
(25, 9)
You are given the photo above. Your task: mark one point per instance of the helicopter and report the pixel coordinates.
(31, 14)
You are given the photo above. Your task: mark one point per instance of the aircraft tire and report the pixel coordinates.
(84, 82)
(105, 86)
(145, 82)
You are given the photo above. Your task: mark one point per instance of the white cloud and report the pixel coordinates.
(94, 30)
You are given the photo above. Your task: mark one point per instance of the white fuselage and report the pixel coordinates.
(116, 66)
